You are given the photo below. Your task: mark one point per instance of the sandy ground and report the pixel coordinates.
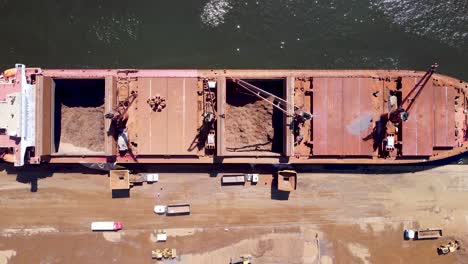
(249, 127)
(82, 127)
(333, 217)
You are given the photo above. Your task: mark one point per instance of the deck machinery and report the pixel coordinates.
(190, 116)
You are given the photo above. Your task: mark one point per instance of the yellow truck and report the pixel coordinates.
(164, 253)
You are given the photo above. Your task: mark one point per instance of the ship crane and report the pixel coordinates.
(402, 112)
(277, 102)
(119, 113)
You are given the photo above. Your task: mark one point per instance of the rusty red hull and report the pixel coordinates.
(168, 118)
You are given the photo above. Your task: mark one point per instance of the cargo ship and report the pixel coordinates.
(123, 116)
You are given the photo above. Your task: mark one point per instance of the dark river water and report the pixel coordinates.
(337, 34)
(404, 34)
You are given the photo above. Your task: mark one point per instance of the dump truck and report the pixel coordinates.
(178, 209)
(144, 177)
(429, 233)
(106, 226)
(450, 247)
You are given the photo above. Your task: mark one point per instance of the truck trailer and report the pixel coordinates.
(106, 226)
(178, 209)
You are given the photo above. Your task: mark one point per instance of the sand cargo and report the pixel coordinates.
(230, 116)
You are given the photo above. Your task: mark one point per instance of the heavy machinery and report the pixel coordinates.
(244, 259)
(400, 113)
(450, 247)
(299, 115)
(164, 253)
(277, 102)
(119, 114)
(400, 109)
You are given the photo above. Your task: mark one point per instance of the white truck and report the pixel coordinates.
(106, 226)
(428, 233)
(239, 178)
(233, 179)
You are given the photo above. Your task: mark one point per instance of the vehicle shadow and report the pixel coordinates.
(277, 194)
(121, 193)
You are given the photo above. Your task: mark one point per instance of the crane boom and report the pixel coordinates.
(272, 99)
(276, 101)
(402, 112)
(419, 87)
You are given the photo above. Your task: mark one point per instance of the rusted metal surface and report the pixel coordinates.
(343, 116)
(44, 120)
(343, 103)
(94, 73)
(444, 116)
(418, 131)
(172, 130)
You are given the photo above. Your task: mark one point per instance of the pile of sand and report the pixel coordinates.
(83, 127)
(249, 127)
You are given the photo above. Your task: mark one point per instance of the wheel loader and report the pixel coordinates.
(450, 247)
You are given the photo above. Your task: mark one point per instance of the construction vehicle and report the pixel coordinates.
(287, 180)
(165, 253)
(244, 259)
(450, 247)
(429, 233)
(161, 236)
(156, 254)
(178, 209)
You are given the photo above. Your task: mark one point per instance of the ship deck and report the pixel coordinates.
(173, 130)
(349, 108)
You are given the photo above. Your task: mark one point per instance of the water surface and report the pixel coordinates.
(395, 34)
